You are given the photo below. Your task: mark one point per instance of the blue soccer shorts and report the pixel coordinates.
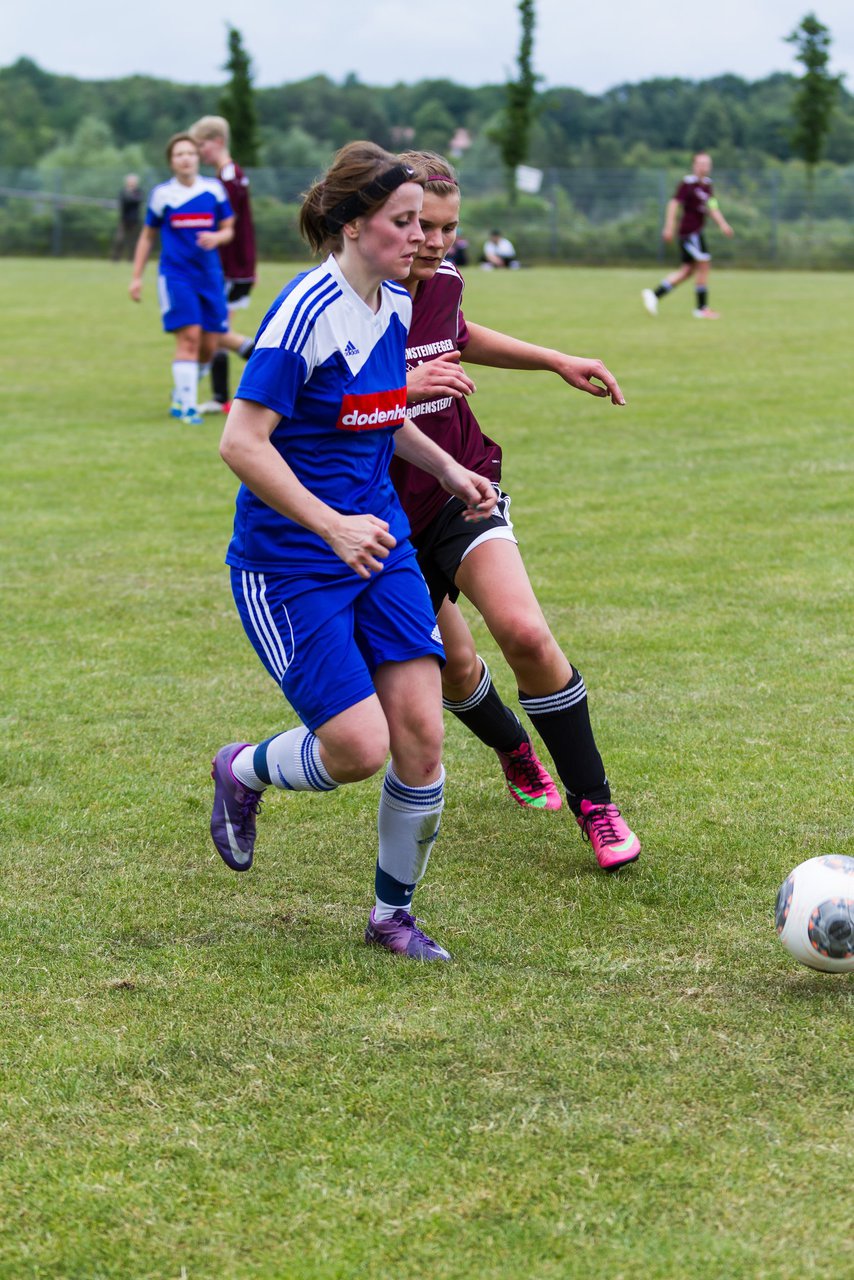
(183, 304)
(322, 639)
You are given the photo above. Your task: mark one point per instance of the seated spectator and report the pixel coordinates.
(498, 251)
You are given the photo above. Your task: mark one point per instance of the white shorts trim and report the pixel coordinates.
(505, 534)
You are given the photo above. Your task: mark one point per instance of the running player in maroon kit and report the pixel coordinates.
(212, 135)
(696, 197)
(455, 556)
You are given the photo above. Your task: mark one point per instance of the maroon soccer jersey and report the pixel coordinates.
(238, 257)
(438, 325)
(693, 194)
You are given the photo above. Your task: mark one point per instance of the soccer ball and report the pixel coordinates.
(814, 914)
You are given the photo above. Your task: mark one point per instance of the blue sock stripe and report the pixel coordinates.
(259, 761)
(413, 797)
(311, 764)
(393, 892)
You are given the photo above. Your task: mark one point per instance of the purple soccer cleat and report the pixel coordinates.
(234, 810)
(401, 934)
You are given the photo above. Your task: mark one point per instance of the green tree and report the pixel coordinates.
(90, 163)
(294, 148)
(816, 96)
(513, 134)
(711, 126)
(434, 126)
(237, 103)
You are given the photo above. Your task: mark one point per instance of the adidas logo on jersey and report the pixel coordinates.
(350, 350)
(373, 409)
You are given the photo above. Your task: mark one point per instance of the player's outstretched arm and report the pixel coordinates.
(362, 541)
(500, 351)
(412, 445)
(440, 377)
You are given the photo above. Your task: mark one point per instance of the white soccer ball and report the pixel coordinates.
(814, 913)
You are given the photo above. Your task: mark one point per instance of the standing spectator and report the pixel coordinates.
(695, 196)
(194, 218)
(238, 257)
(323, 574)
(499, 252)
(127, 231)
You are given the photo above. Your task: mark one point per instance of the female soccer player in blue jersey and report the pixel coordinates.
(194, 218)
(456, 556)
(325, 579)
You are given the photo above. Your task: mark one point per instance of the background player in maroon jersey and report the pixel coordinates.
(695, 196)
(212, 135)
(456, 556)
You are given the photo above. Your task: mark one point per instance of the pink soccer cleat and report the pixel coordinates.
(528, 782)
(612, 841)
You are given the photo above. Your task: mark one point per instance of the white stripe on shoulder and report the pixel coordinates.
(291, 326)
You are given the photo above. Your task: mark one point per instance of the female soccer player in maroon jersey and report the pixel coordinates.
(457, 556)
(695, 194)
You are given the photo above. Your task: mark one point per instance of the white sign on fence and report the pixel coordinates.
(528, 180)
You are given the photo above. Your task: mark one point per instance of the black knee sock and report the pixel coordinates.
(702, 297)
(487, 717)
(246, 348)
(219, 376)
(563, 722)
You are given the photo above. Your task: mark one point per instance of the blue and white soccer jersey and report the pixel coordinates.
(335, 371)
(190, 283)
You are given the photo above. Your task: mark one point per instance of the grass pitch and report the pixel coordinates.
(210, 1076)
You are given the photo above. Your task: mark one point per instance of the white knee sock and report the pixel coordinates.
(290, 761)
(408, 824)
(185, 374)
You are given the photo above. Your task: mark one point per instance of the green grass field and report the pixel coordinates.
(209, 1075)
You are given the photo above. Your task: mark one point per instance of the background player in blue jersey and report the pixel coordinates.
(193, 218)
(323, 574)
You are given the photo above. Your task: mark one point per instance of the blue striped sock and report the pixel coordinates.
(291, 761)
(408, 824)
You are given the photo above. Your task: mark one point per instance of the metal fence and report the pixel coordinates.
(607, 216)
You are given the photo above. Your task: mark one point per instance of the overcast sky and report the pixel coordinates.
(590, 46)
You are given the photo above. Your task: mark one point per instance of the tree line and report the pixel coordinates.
(299, 125)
